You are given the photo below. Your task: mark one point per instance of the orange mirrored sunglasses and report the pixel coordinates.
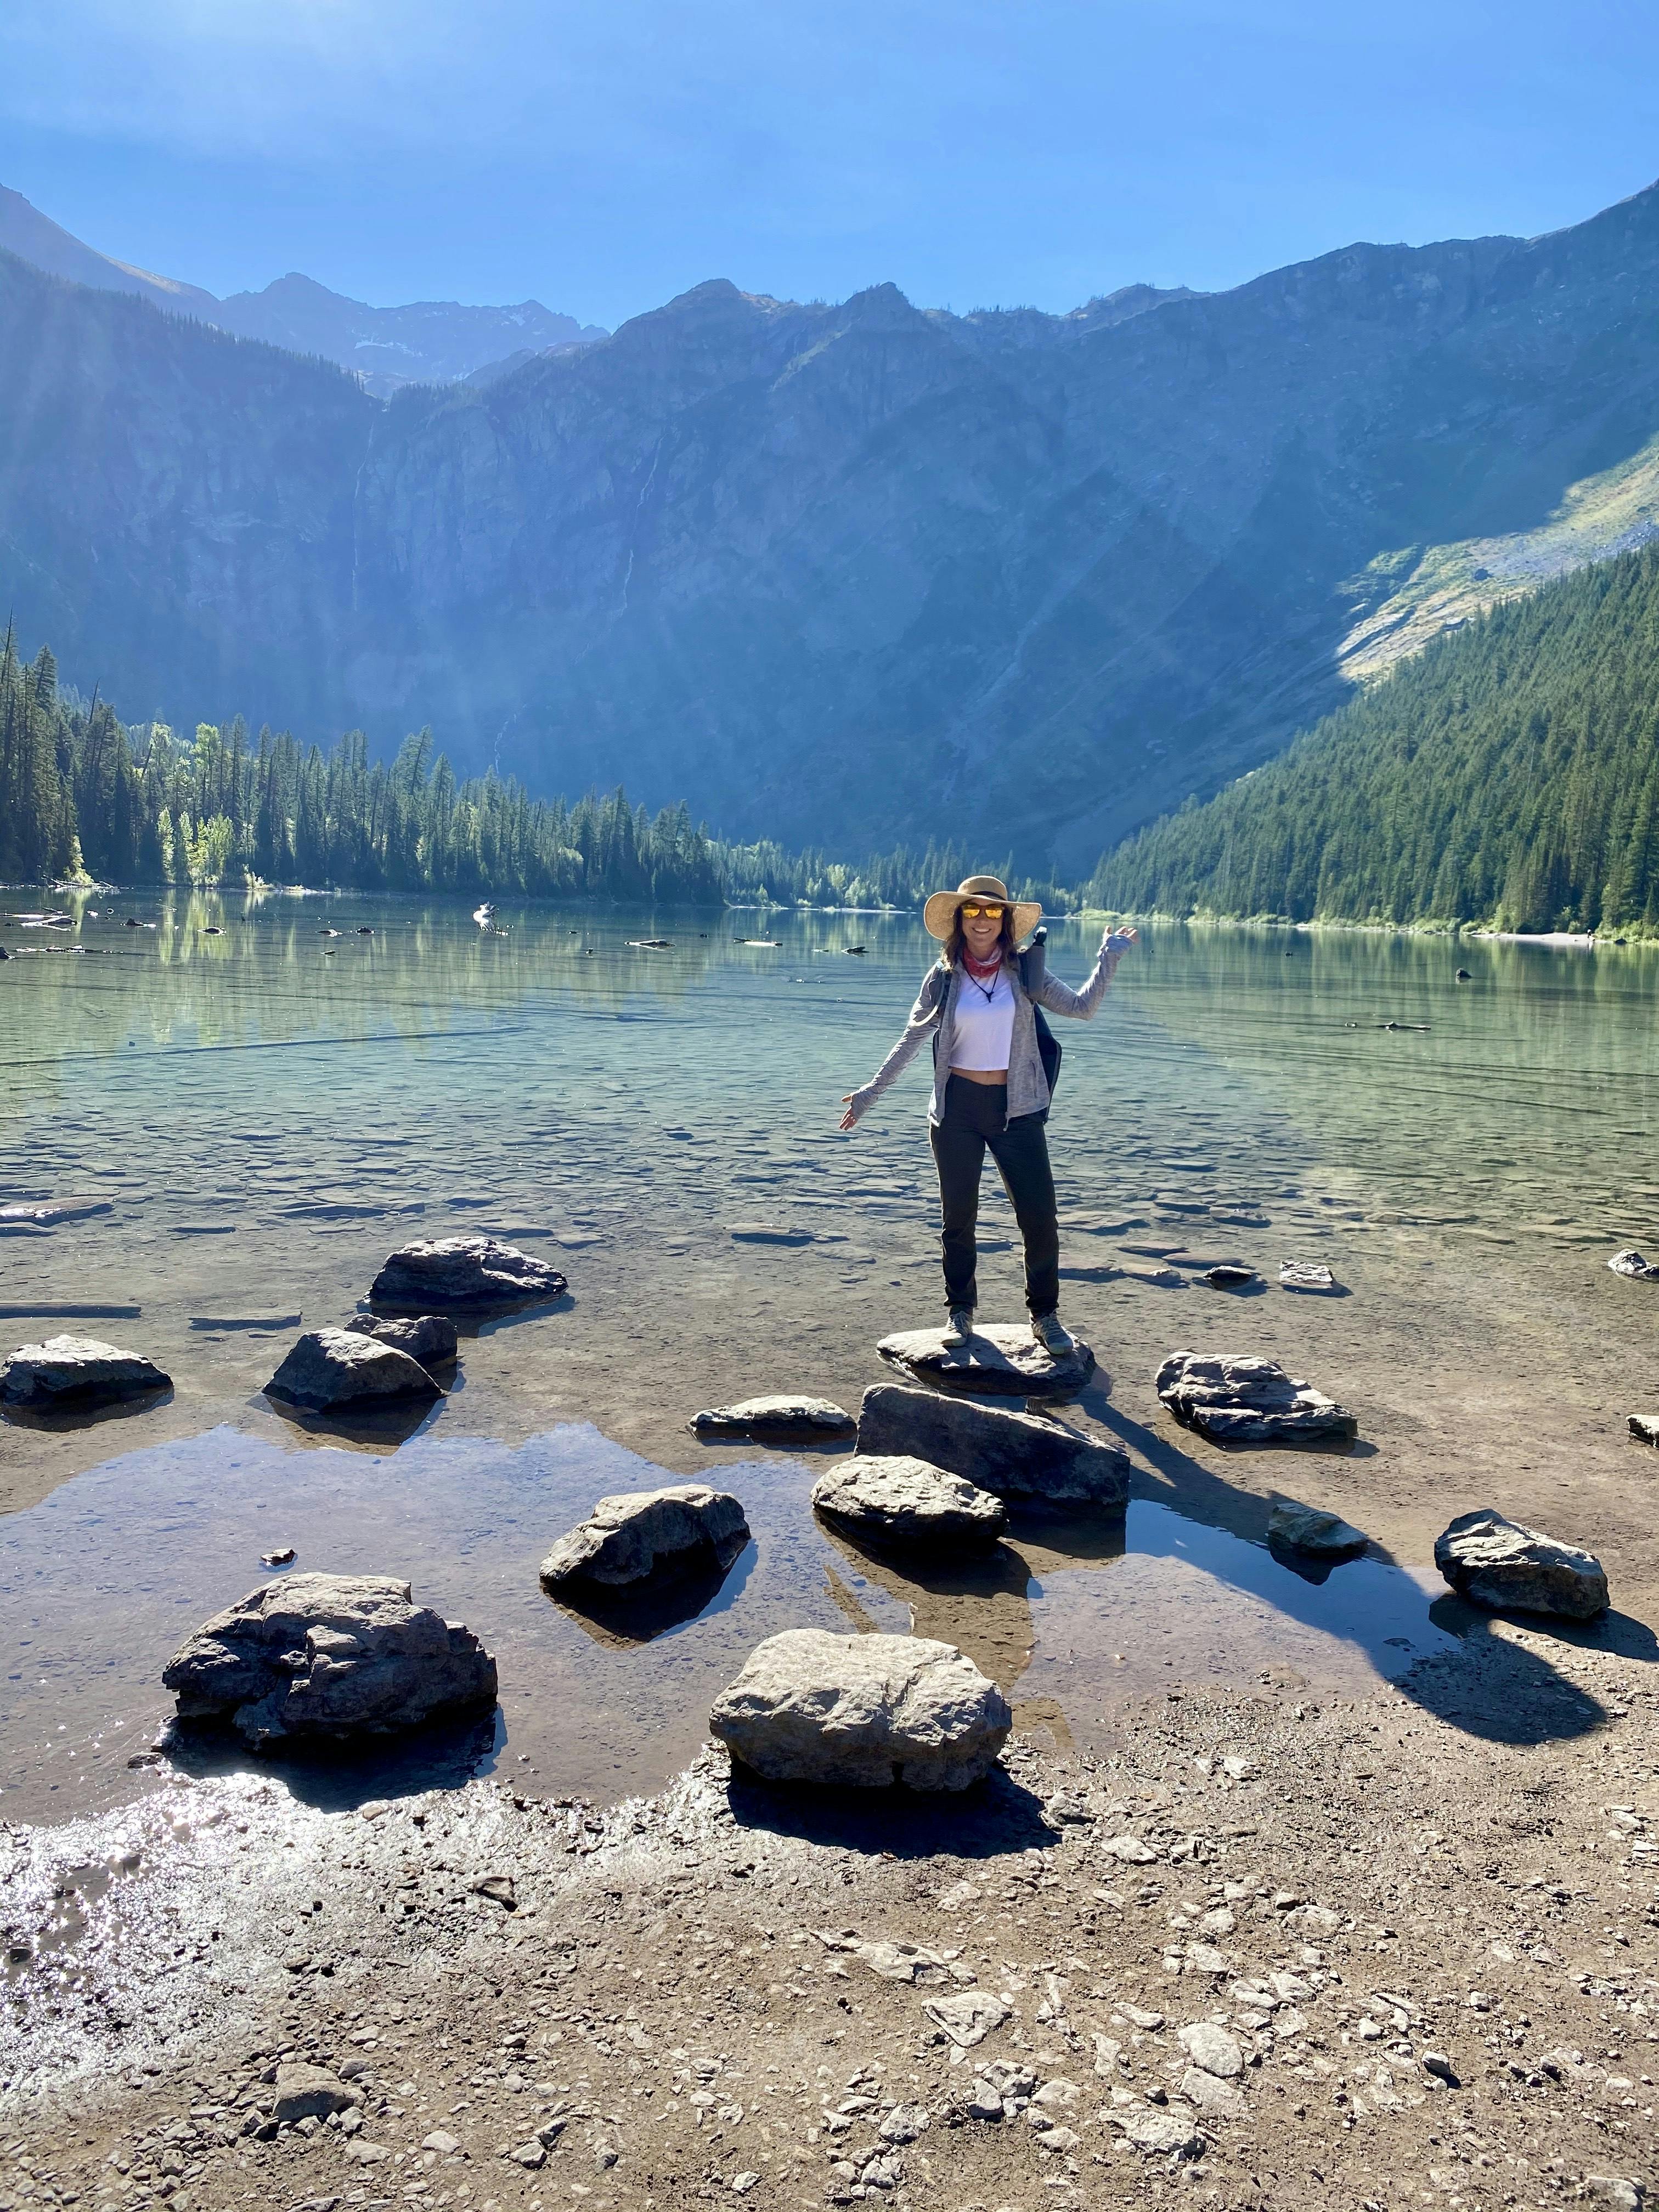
(973, 913)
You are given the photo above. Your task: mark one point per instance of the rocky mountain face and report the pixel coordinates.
(835, 572)
(429, 342)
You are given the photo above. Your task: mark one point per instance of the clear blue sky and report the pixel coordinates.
(603, 155)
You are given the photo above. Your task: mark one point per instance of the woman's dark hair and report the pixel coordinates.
(957, 944)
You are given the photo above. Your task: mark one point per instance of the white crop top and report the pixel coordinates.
(984, 1026)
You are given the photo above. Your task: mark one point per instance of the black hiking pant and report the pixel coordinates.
(975, 1117)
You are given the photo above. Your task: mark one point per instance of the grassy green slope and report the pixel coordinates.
(1507, 777)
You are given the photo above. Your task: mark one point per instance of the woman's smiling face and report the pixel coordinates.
(980, 930)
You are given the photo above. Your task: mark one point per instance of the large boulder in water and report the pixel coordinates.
(862, 1712)
(336, 1370)
(996, 1361)
(903, 1500)
(322, 1655)
(1239, 1398)
(1495, 1562)
(643, 1532)
(431, 1339)
(68, 1374)
(1012, 1454)
(463, 1271)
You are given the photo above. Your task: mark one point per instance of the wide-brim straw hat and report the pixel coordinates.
(939, 916)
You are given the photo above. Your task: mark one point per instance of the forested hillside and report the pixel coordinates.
(82, 796)
(1510, 777)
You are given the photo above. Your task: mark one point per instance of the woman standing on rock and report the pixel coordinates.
(991, 1088)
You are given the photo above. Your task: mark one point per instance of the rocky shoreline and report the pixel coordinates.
(1259, 1952)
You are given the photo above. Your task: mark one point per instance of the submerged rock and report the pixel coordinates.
(767, 1232)
(636, 1533)
(70, 1373)
(1012, 1454)
(1495, 1562)
(431, 1339)
(329, 1655)
(997, 1361)
(1310, 1528)
(1632, 1264)
(907, 1501)
(463, 1271)
(51, 1213)
(1239, 1398)
(780, 1415)
(862, 1712)
(329, 1368)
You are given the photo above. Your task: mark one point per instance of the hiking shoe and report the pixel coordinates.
(1046, 1331)
(960, 1327)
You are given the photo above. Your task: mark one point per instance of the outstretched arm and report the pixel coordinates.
(1059, 998)
(924, 1020)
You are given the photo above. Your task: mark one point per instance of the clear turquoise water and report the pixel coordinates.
(267, 1109)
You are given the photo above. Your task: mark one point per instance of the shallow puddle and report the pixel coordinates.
(102, 1582)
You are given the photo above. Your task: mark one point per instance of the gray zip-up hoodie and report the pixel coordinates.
(936, 1010)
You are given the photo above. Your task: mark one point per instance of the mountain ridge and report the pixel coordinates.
(825, 565)
(426, 341)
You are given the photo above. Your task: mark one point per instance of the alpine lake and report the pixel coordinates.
(262, 1097)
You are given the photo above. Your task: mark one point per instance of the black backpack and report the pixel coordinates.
(1033, 966)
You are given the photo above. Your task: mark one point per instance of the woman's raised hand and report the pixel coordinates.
(1123, 936)
(849, 1119)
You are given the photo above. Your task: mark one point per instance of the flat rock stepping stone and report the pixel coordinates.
(1646, 1426)
(637, 1533)
(907, 1501)
(780, 1415)
(1238, 1398)
(1230, 1275)
(1633, 1265)
(998, 1361)
(330, 1370)
(1308, 1529)
(431, 1339)
(71, 1373)
(1495, 1562)
(438, 1275)
(1014, 1455)
(329, 1655)
(862, 1712)
(1305, 1275)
